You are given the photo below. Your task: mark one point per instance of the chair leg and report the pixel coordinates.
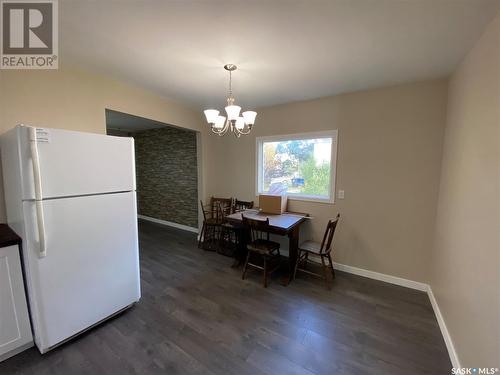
(331, 266)
(202, 233)
(265, 272)
(215, 239)
(210, 236)
(245, 266)
(325, 272)
(296, 265)
(220, 240)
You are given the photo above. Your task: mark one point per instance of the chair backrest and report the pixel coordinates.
(214, 210)
(242, 205)
(259, 229)
(326, 244)
(221, 205)
(207, 211)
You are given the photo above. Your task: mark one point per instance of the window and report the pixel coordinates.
(301, 165)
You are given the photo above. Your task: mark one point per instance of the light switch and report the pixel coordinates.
(341, 194)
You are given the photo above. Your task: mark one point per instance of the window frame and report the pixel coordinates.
(333, 134)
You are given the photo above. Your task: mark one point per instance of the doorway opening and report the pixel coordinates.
(166, 160)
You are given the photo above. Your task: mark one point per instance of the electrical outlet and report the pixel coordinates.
(340, 195)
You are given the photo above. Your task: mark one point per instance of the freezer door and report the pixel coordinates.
(76, 163)
(92, 265)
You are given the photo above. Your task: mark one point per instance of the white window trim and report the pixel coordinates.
(333, 134)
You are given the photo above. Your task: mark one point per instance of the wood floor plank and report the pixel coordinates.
(196, 316)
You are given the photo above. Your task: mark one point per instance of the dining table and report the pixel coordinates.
(285, 224)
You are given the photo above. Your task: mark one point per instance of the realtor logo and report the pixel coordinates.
(29, 34)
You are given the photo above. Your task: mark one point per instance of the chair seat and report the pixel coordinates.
(311, 247)
(230, 226)
(263, 246)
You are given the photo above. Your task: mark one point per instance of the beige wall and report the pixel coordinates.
(389, 158)
(75, 99)
(466, 256)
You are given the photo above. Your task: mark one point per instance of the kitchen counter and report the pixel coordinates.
(15, 335)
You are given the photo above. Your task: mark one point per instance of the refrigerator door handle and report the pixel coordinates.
(38, 192)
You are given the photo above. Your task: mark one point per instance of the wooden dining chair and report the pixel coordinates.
(212, 220)
(319, 250)
(231, 234)
(222, 207)
(261, 247)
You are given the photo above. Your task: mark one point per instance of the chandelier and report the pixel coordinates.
(238, 125)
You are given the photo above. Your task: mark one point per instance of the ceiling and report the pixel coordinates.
(285, 50)
(129, 123)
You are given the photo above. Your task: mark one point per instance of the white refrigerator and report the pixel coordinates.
(71, 197)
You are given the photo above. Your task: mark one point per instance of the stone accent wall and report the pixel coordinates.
(167, 177)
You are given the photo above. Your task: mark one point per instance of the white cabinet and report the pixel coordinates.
(15, 329)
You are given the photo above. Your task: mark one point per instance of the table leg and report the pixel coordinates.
(293, 250)
(241, 251)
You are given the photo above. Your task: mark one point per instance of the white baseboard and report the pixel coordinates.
(444, 330)
(168, 223)
(413, 285)
(382, 277)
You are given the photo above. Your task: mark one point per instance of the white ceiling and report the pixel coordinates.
(129, 123)
(286, 50)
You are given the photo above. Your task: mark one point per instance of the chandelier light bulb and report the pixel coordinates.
(240, 123)
(211, 115)
(249, 117)
(219, 122)
(233, 111)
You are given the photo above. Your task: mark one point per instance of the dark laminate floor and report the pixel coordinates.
(197, 316)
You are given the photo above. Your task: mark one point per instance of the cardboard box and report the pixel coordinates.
(272, 204)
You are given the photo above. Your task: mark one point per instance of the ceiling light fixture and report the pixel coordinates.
(238, 125)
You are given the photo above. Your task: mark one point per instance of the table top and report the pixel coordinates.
(285, 222)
